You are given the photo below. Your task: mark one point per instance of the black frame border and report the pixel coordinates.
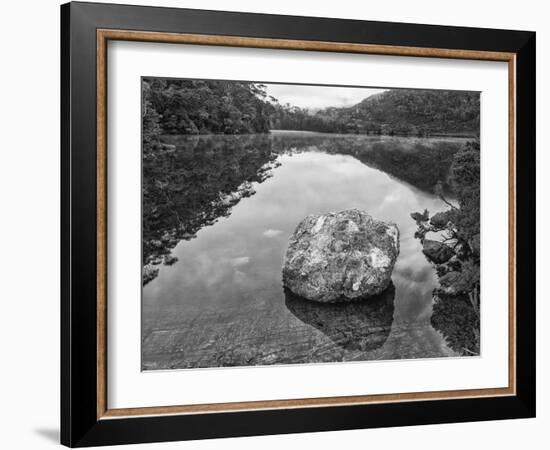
(79, 423)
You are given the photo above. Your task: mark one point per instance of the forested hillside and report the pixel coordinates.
(398, 111)
(172, 106)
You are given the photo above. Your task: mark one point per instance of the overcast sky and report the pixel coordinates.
(318, 96)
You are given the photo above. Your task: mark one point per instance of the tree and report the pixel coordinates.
(151, 120)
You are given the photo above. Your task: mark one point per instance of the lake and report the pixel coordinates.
(225, 207)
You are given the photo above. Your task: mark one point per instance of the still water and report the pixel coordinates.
(229, 205)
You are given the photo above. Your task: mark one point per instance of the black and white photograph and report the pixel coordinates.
(299, 224)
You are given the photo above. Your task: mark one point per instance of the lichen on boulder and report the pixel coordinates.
(340, 256)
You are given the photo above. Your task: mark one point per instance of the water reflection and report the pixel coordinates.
(191, 184)
(361, 325)
(225, 207)
(421, 162)
(196, 180)
(455, 318)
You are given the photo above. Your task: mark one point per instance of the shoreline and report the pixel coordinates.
(320, 133)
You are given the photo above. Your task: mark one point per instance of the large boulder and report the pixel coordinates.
(340, 256)
(437, 252)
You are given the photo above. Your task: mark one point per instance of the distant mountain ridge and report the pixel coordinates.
(396, 111)
(428, 110)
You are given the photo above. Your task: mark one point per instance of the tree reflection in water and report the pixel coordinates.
(192, 181)
(454, 317)
(190, 184)
(222, 303)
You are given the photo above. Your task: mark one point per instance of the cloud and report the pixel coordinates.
(315, 97)
(240, 261)
(270, 233)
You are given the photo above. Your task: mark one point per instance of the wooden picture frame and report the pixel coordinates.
(86, 418)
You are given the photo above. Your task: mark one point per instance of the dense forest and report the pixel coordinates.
(173, 106)
(188, 107)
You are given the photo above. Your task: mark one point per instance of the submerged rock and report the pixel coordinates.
(437, 252)
(340, 256)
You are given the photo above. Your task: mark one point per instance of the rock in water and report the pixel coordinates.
(437, 252)
(340, 256)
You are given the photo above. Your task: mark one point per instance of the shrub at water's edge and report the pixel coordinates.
(457, 253)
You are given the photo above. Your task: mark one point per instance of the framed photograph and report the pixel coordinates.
(276, 224)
